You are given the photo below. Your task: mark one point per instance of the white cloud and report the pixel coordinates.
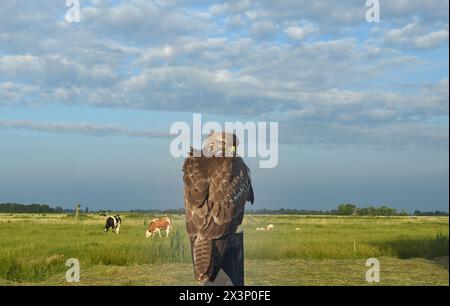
(414, 35)
(232, 7)
(432, 40)
(223, 76)
(300, 32)
(263, 29)
(84, 128)
(54, 69)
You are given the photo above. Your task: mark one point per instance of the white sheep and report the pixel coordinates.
(269, 227)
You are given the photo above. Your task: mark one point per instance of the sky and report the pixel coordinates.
(362, 107)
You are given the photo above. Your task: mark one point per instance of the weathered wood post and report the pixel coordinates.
(77, 209)
(232, 267)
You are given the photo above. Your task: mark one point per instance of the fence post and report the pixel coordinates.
(77, 210)
(232, 268)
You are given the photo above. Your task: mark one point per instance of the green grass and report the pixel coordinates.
(34, 249)
(346, 238)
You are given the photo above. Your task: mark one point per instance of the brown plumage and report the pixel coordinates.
(216, 189)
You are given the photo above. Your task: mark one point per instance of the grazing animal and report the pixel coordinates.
(113, 223)
(216, 187)
(261, 229)
(269, 227)
(297, 228)
(156, 225)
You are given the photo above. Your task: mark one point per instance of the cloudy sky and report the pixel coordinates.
(363, 108)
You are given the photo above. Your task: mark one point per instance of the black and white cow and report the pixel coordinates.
(113, 223)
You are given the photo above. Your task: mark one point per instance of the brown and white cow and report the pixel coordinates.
(156, 225)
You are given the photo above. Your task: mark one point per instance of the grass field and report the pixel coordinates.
(301, 250)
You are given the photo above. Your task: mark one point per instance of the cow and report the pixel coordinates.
(156, 225)
(113, 223)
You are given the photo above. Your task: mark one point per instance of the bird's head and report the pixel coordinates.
(221, 144)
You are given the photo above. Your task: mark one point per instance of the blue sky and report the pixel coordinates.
(85, 107)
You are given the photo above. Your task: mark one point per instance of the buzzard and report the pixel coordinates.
(216, 187)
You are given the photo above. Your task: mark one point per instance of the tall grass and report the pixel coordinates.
(427, 247)
(34, 249)
(345, 238)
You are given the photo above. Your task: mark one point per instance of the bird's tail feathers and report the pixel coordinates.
(202, 258)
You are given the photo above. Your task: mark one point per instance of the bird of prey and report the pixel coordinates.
(216, 187)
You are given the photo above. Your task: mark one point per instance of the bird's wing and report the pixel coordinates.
(215, 201)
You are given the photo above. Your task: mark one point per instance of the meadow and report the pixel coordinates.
(301, 250)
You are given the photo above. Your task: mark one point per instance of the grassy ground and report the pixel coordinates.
(299, 251)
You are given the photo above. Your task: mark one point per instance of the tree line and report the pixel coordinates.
(348, 210)
(353, 210)
(31, 208)
(341, 210)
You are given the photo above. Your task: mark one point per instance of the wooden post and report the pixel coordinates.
(232, 267)
(76, 211)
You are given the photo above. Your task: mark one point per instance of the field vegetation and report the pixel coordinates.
(300, 250)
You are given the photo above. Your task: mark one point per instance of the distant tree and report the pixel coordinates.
(357, 211)
(403, 213)
(346, 209)
(86, 210)
(21, 208)
(430, 213)
(363, 211)
(386, 211)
